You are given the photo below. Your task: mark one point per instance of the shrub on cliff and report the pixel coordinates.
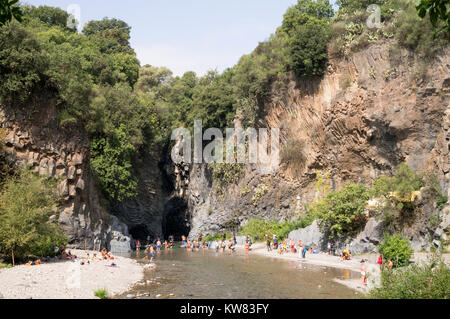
(397, 249)
(425, 281)
(307, 25)
(341, 213)
(26, 203)
(293, 155)
(262, 227)
(111, 163)
(418, 34)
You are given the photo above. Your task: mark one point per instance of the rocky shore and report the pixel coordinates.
(68, 279)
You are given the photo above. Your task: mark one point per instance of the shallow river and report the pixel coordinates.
(206, 274)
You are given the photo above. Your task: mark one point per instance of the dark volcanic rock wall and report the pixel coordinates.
(35, 138)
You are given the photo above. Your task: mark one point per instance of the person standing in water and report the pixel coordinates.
(304, 252)
(267, 242)
(158, 245)
(152, 253)
(363, 272)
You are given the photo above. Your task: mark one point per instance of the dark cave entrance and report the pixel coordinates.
(175, 221)
(139, 232)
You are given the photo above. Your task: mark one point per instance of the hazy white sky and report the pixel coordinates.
(188, 35)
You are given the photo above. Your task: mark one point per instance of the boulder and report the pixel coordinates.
(311, 236)
(367, 240)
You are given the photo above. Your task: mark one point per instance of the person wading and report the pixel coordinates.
(267, 242)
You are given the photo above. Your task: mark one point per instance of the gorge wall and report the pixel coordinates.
(369, 113)
(34, 138)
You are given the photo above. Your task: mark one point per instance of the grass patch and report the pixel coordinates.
(101, 293)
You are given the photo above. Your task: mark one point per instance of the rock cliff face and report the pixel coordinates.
(368, 114)
(35, 138)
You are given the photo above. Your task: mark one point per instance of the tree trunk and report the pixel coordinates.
(12, 256)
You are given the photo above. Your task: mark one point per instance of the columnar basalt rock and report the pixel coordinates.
(63, 153)
(350, 134)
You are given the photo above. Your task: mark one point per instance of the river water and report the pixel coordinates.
(207, 274)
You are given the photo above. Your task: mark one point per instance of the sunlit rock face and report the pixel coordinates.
(365, 116)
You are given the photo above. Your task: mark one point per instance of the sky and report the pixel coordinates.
(187, 35)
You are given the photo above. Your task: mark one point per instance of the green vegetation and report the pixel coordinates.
(211, 238)
(9, 10)
(262, 227)
(91, 75)
(425, 281)
(260, 191)
(101, 293)
(5, 266)
(308, 29)
(432, 183)
(418, 34)
(341, 213)
(397, 249)
(26, 203)
(226, 173)
(437, 10)
(398, 195)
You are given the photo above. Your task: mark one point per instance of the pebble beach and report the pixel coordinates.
(70, 280)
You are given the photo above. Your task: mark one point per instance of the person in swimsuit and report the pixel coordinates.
(152, 253)
(158, 245)
(223, 245)
(363, 273)
(166, 244)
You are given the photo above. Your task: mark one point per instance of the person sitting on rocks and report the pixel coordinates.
(346, 255)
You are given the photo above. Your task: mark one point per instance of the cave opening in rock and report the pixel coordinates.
(139, 232)
(175, 221)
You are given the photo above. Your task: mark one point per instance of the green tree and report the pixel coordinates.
(307, 25)
(309, 48)
(112, 35)
(397, 249)
(22, 62)
(403, 182)
(111, 163)
(305, 11)
(437, 10)
(9, 10)
(26, 203)
(49, 15)
(342, 212)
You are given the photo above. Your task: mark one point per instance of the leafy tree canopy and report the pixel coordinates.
(9, 10)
